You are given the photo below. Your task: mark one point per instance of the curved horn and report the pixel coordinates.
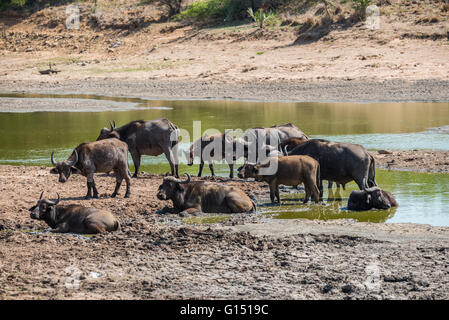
(71, 163)
(113, 121)
(187, 180)
(55, 202)
(53, 160)
(285, 150)
(110, 123)
(41, 195)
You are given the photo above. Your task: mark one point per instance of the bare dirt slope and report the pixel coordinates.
(160, 256)
(128, 43)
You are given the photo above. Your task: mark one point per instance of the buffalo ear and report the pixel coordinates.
(54, 171)
(32, 208)
(75, 170)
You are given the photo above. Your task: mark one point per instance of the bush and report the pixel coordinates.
(223, 10)
(262, 18)
(173, 6)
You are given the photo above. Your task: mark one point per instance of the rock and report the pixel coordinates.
(29, 49)
(384, 152)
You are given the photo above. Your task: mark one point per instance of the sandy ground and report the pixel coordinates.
(158, 255)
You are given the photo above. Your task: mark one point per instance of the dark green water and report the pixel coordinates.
(29, 138)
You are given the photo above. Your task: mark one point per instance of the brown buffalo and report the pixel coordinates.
(199, 196)
(291, 171)
(151, 138)
(73, 218)
(99, 156)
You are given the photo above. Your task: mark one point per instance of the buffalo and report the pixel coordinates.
(272, 136)
(224, 143)
(291, 143)
(371, 198)
(340, 162)
(151, 138)
(73, 218)
(192, 197)
(291, 171)
(99, 156)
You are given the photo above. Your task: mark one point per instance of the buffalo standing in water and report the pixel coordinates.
(340, 162)
(73, 218)
(151, 138)
(99, 156)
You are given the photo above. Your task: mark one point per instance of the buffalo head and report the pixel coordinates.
(371, 198)
(170, 186)
(106, 133)
(248, 171)
(43, 208)
(64, 168)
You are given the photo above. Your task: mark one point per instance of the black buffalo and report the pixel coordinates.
(98, 156)
(73, 218)
(151, 138)
(371, 198)
(340, 162)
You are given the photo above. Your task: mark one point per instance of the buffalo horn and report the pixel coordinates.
(71, 163)
(187, 180)
(55, 202)
(53, 160)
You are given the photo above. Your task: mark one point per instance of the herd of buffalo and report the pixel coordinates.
(298, 160)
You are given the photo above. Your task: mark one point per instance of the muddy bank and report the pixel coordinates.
(158, 255)
(413, 160)
(66, 105)
(259, 90)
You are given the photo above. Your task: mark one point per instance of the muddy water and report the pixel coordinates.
(29, 138)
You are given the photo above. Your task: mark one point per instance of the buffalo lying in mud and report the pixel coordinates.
(371, 198)
(340, 162)
(99, 156)
(291, 171)
(73, 218)
(191, 197)
(151, 138)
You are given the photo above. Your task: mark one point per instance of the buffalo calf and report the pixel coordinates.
(291, 171)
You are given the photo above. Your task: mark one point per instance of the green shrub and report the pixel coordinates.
(224, 10)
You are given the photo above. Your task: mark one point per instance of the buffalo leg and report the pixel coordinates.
(119, 179)
(169, 155)
(89, 192)
(320, 188)
(231, 170)
(277, 194)
(136, 159)
(201, 168)
(211, 167)
(128, 185)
